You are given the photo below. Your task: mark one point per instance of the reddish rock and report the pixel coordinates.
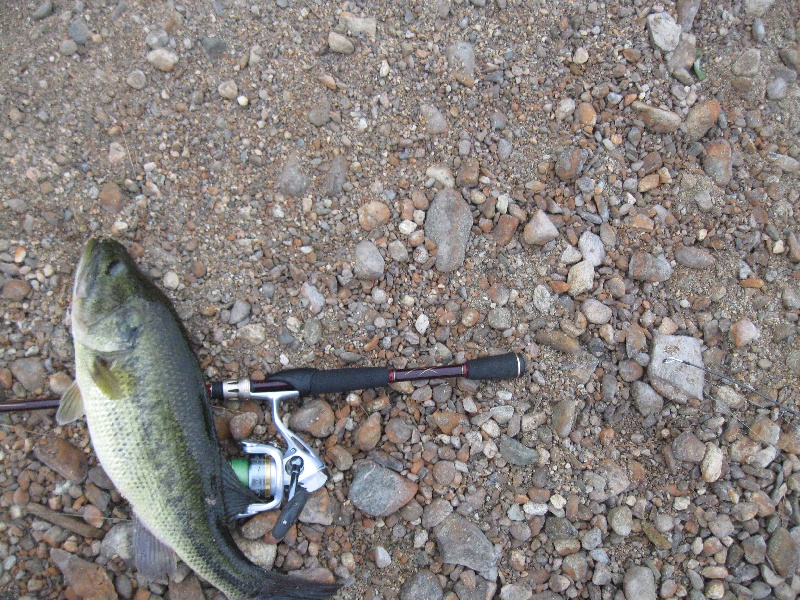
(718, 162)
(469, 173)
(16, 290)
(504, 230)
(88, 580)
(110, 198)
(64, 458)
(368, 433)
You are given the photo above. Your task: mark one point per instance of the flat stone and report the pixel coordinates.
(228, 89)
(657, 120)
(620, 519)
(357, 26)
(580, 278)
(64, 458)
(687, 11)
(435, 121)
(558, 340)
(688, 448)
(743, 332)
(701, 118)
(504, 231)
(315, 417)
(711, 466)
(373, 214)
(694, 258)
(757, 8)
(16, 290)
(461, 59)
(293, 180)
(214, 47)
(646, 267)
(539, 230)
(517, 453)
(790, 55)
(86, 579)
(162, 59)
(592, 248)
(340, 44)
(378, 491)
(30, 372)
(564, 413)
(79, 31)
(448, 223)
(422, 585)
(136, 79)
(596, 312)
(639, 583)
(320, 114)
(648, 401)
(368, 434)
(664, 31)
(468, 173)
(748, 64)
(570, 164)
(674, 380)
(110, 198)
(461, 542)
(783, 552)
(44, 10)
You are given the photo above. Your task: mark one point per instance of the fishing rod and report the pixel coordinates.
(312, 382)
(288, 478)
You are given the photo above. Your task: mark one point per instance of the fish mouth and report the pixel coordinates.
(86, 270)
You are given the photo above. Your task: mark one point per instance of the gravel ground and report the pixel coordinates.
(602, 186)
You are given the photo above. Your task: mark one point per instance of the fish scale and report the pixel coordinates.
(151, 425)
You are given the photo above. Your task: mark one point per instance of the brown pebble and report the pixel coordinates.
(468, 173)
(110, 198)
(368, 433)
(241, 426)
(446, 421)
(558, 340)
(16, 290)
(504, 230)
(64, 458)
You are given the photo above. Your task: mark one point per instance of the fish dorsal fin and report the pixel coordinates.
(236, 496)
(71, 406)
(106, 378)
(154, 559)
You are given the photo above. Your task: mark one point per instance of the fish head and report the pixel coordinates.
(108, 297)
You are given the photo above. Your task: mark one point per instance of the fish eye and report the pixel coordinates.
(115, 267)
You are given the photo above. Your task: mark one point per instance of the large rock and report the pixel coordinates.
(378, 491)
(539, 230)
(462, 543)
(87, 580)
(664, 31)
(657, 120)
(369, 263)
(675, 380)
(639, 583)
(448, 224)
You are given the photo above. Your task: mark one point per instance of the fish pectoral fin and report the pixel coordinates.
(236, 496)
(71, 406)
(154, 559)
(108, 379)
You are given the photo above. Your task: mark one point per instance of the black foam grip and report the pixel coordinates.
(502, 366)
(310, 382)
(290, 512)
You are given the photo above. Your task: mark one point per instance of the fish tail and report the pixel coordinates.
(285, 587)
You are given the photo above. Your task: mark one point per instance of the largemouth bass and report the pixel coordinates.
(150, 421)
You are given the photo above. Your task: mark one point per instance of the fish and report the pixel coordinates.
(141, 388)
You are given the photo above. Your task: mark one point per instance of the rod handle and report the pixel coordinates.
(311, 382)
(501, 366)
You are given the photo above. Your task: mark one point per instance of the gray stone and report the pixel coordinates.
(436, 512)
(783, 552)
(499, 318)
(29, 372)
(539, 230)
(592, 248)
(687, 11)
(657, 120)
(639, 583)
(435, 121)
(378, 491)
(664, 31)
(596, 312)
(315, 299)
(136, 79)
(157, 39)
(44, 10)
(228, 89)
(213, 46)
(358, 26)
(646, 267)
(68, 48)
(239, 311)
(292, 180)
(695, 258)
(422, 585)
(448, 224)
(321, 113)
(564, 413)
(580, 278)
(118, 542)
(368, 263)
(79, 31)
(647, 400)
(162, 59)
(757, 8)
(620, 519)
(515, 591)
(461, 58)
(337, 176)
(675, 380)
(516, 453)
(340, 44)
(748, 64)
(461, 542)
(688, 448)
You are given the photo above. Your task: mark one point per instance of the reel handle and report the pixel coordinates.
(290, 513)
